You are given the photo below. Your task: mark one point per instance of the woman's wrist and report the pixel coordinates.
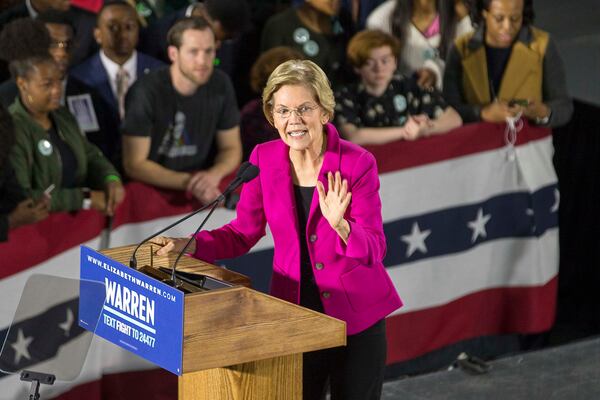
(427, 130)
(191, 249)
(544, 115)
(343, 229)
(483, 113)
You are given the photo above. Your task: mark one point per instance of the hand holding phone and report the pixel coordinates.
(49, 190)
(46, 196)
(518, 102)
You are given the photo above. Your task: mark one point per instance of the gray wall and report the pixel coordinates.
(575, 26)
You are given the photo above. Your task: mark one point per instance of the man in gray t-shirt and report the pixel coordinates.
(181, 126)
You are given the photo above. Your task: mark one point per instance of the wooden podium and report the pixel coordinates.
(239, 343)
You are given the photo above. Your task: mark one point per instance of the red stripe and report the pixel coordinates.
(155, 384)
(463, 141)
(32, 244)
(488, 312)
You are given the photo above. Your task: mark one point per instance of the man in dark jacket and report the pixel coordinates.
(83, 21)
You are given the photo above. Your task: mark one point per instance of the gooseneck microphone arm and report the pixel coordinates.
(133, 260)
(193, 237)
(250, 172)
(236, 182)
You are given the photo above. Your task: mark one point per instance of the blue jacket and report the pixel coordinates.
(93, 74)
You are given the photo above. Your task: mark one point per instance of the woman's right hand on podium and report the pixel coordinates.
(173, 245)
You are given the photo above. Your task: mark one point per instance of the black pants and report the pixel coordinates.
(355, 372)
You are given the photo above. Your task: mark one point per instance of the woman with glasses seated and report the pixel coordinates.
(383, 105)
(50, 150)
(320, 196)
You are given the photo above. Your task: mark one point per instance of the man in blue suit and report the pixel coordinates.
(117, 65)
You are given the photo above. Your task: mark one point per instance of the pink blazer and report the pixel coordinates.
(352, 280)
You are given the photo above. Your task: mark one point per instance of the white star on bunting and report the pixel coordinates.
(416, 240)
(21, 346)
(478, 225)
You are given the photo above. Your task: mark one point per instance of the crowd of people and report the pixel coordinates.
(138, 90)
(143, 91)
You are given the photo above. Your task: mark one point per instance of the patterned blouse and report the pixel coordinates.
(402, 98)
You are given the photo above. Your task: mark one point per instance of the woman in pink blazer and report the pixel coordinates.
(320, 196)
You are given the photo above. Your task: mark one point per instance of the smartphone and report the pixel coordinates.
(518, 102)
(49, 189)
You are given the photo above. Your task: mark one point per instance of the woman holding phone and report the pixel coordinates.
(507, 68)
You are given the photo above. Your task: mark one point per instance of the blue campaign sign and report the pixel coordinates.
(139, 314)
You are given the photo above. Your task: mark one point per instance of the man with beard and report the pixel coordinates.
(113, 69)
(181, 128)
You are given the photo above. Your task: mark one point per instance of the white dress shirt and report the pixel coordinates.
(112, 68)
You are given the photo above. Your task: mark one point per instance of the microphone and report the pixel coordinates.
(237, 181)
(249, 172)
(229, 189)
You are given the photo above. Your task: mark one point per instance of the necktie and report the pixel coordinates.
(122, 86)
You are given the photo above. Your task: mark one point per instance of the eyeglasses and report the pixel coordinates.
(61, 44)
(302, 111)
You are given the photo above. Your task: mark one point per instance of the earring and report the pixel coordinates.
(27, 97)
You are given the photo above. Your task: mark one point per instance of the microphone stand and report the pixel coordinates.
(230, 187)
(193, 237)
(133, 261)
(247, 173)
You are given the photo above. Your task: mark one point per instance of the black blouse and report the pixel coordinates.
(67, 158)
(497, 58)
(309, 292)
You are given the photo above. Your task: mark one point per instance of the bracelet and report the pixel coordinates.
(543, 120)
(112, 178)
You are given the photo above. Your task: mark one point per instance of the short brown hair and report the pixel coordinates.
(360, 46)
(175, 34)
(267, 62)
(299, 72)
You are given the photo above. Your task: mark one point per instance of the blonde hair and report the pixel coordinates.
(299, 72)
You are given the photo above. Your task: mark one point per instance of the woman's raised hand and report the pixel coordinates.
(335, 202)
